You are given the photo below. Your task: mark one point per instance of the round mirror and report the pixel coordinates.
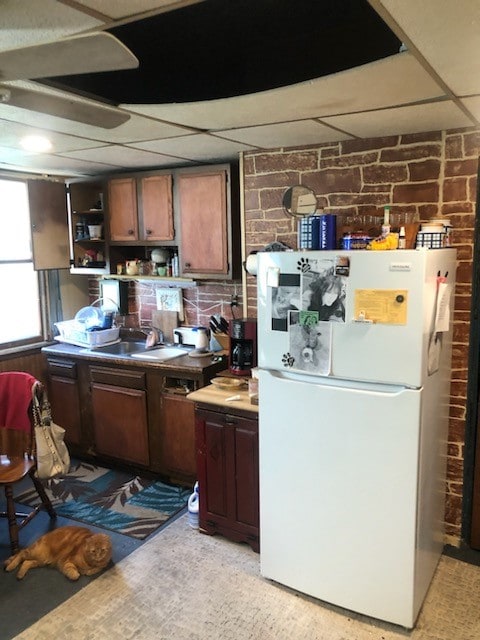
(299, 201)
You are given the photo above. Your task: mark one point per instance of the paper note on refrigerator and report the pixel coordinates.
(442, 312)
(385, 306)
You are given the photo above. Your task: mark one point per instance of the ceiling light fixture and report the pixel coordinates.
(39, 144)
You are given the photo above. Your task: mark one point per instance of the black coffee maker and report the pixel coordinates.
(243, 345)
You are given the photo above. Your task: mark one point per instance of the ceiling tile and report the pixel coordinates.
(12, 132)
(121, 156)
(198, 147)
(447, 34)
(412, 119)
(395, 80)
(32, 22)
(473, 105)
(123, 8)
(285, 134)
(56, 165)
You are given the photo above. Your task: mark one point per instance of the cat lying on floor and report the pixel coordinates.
(75, 551)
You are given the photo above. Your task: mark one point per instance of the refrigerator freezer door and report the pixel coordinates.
(393, 348)
(338, 493)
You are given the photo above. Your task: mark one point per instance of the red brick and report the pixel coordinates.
(268, 163)
(454, 190)
(424, 170)
(415, 138)
(417, 192)
(402, 154)
(384, 173)
(278, 179)
(464, 167)
(354, 146)
(346, 180)
(454, 146)
(471, 143)
(349, 161)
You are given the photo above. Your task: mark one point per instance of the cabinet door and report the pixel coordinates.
(178, 437)
(203, 223)
(156, 210)
(48, 212)
(120, 423)
(227, 460)
(122, 207)
(64, 400)
(64, 397)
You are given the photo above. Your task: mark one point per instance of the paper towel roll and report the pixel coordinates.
(251, 264)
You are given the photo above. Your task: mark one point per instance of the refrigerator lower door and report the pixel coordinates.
(338, 493)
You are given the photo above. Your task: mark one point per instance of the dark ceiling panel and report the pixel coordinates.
(223, 48)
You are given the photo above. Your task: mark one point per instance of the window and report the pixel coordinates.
(21, 317)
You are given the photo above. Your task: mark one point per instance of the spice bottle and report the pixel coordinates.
(402, 241)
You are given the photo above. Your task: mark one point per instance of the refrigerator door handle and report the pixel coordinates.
(338, 383)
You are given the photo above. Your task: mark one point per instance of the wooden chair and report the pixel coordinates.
(17, 446)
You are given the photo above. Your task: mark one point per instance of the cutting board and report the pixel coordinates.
(167, 321)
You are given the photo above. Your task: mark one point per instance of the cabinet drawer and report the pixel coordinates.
(62, 368)
(119, 377)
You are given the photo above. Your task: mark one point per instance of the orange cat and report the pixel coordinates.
(75, 551)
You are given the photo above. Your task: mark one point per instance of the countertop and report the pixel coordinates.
(213, 395)
(182, 363)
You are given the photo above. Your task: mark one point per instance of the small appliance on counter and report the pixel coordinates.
(243, 345)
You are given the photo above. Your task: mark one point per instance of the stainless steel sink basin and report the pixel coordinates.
(159, 354)
(123, 348)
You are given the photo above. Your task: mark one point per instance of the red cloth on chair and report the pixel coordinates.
(15, 398)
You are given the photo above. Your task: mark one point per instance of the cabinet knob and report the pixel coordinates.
(130, 232)
(148, 232)
(187, 265)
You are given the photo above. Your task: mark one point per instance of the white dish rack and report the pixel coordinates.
(71, 332)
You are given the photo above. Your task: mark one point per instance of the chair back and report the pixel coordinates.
(16, 418)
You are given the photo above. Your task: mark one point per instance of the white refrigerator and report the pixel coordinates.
(354, 351)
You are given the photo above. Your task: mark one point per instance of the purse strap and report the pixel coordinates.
(42, 412)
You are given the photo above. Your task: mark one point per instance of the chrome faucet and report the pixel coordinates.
(154, 337)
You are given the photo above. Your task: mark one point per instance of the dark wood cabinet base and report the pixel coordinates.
(227, 463)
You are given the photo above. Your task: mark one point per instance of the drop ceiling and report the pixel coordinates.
(432, 84)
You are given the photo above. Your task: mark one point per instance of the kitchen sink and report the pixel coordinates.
(137, 349)
(123, 348)
(159, 354)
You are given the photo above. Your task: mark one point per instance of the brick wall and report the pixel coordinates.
(430, 175)
(200, 301)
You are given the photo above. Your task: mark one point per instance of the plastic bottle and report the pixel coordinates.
(193, 505)
(386, 221)
(175, 266)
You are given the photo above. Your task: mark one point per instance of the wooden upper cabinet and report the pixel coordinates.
(205, 223)
(140, 209)
(122, 208)
(48, 214)
(156, 208)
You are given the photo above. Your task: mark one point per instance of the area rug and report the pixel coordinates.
(113, 500)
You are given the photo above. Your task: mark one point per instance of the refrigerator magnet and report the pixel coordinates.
(342, 266)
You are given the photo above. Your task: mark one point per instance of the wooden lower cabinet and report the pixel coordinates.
(64, 396)
(131, 415)
(120, 422)
(178, 438)
(227, 463)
